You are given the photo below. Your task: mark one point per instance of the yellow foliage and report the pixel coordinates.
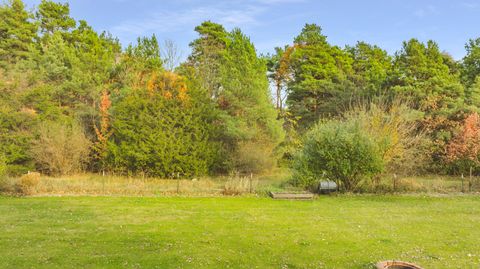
(396, 133)
(167, 95)
(169, 85)
(151, 85)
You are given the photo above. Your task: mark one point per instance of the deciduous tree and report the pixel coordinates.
(465, 146)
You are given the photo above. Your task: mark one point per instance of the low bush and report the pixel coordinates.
(26, 184)
(60, 148)
(4, 184)
(339, 151)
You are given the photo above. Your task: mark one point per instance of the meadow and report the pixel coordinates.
(344, 231)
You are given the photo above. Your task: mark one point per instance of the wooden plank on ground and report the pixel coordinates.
(291, 196)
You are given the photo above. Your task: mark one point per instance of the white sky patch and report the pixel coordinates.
(175, 21)
(426, 11)
(236, 13)
(471, 5)
(272, 2)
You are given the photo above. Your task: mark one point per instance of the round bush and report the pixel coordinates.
(338, 151)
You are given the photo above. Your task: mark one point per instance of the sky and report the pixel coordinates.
(271, 23)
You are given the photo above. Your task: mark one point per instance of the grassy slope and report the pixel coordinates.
(330, 232)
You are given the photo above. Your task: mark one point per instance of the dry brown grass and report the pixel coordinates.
(97, 185)
(240, 185)
(426, 184)
(92, 184)
(27, 184)
(109, 185)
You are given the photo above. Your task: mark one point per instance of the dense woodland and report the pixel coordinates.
(74, 100)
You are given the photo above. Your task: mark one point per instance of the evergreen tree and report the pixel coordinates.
(236, 79)
(422, 74)
(471, 62)
(161, 130)
(208, 52)
(17, 31)
(320, 85)
(472, 94)
(372, 66)
(280, 73)
(54, 17)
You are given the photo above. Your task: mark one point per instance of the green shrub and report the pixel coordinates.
(4, 186)
(3, 167)
(15, 136)
(340, 151)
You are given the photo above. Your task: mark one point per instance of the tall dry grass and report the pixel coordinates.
(240, 185)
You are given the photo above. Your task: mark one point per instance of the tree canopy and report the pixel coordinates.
(224, 109)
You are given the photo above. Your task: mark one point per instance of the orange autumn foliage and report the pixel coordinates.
(169, 85)
(151, 83)
(104, 131)
(466, 145)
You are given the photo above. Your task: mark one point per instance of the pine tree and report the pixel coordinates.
(208, 52)
(372, 66)
(227, 66)
(471, 62)
(54, 17)
(17, 31)
(320, 86)
(423, 75)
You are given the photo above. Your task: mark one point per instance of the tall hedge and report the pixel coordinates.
(161, 131)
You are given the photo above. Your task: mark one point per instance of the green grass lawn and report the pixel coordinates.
(330, 232)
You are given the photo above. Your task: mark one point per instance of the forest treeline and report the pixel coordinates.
(73, 99)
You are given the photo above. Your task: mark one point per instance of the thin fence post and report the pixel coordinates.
(250, 187)
(394, 182)
(462, 182)
(470, 180)
(178, 183)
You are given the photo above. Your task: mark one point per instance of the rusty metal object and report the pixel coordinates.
(397, 265)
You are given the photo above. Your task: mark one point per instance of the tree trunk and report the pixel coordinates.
(279, 96)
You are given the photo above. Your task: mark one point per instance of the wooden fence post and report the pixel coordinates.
(470, 180)
(250, 187)
(394, 182)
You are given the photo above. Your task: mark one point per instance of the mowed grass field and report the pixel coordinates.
(238, 232)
